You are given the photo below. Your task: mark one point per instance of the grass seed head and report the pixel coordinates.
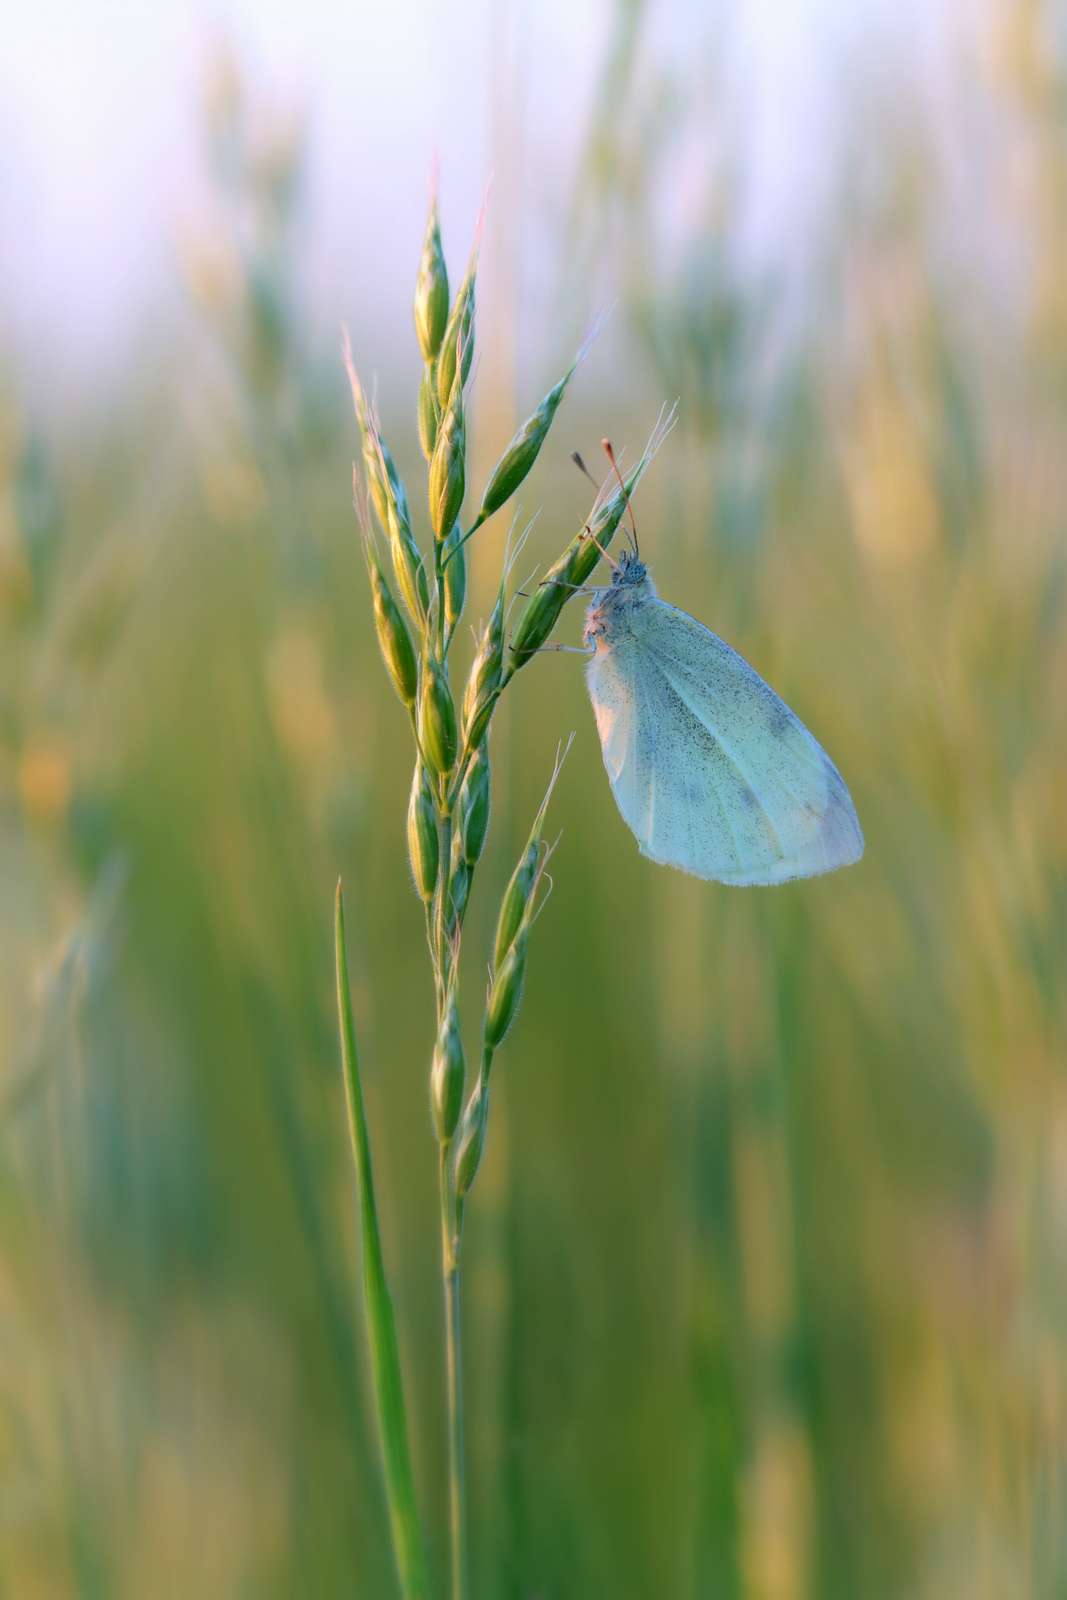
(448, 467)
(455, 580)
(408, 565)
(517, 897)
(431, 289)
(577, 562)
(542, 610)
(568, 574)
(523, 450)
(610, 509)
(376, 483)
(517, 906)
(459, 885)
(471, 817)
(521, 453)
(385, 483)
(391, 504)
(603, 525)
(506, 991)
(423, 844)
(437, 717)
(479, 695)
(472, 1138)
(448, 1073)
(427, 413)
(390, 501)
(457, 346)
(398, 652)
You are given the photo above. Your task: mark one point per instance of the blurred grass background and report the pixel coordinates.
(765, 1290)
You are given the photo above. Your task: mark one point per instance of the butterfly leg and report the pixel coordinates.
(571, 649)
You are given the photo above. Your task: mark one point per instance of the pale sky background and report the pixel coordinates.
(101, 169)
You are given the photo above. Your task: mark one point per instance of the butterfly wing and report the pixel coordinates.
(710, 768)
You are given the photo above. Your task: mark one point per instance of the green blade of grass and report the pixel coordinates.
(378, 1307)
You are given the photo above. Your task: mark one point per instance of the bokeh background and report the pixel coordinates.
(766, 1269)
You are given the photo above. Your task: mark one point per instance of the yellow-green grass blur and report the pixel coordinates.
(766, 1267)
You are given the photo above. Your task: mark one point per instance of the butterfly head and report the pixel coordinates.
(629, 571)
(615, 611)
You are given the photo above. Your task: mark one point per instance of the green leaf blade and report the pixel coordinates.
(378, 1309)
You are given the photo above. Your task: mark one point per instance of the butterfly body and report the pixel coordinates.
(710, 769)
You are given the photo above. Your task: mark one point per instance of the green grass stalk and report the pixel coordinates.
(378, 1307)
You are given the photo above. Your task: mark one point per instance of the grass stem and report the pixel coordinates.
(457, 1487)
(456, 1480)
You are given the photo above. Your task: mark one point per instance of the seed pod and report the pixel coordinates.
(408, 564)
(479, 696)
(471, 816)
(459, 883)
(423, 844)
(542, 610)
(376, 482)
(513, 930)
(448, 1073)
(472, 1138)
(603, 526)
(427, 413)
(455, 579)
(398, 653)
(470, 819)
(458, 341)
(431, 290)
(448, 467)
(516, 908)
(437, 716)
(566, 575)
(506, 992)
(383, 479)
(391, 505)
(521, 453)
(516, 899)
(410, 571)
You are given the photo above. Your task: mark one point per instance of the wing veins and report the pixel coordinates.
(687, 671)
(667, 662)
(734, 761)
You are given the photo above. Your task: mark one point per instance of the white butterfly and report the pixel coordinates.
(710, 769)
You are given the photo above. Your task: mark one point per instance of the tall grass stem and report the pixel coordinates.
(457, 1482)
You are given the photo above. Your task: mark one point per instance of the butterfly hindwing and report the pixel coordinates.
(710, 768)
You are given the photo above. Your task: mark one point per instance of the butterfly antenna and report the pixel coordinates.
(601, 488)
(609, 452)
(587, 533)
(580, 464)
